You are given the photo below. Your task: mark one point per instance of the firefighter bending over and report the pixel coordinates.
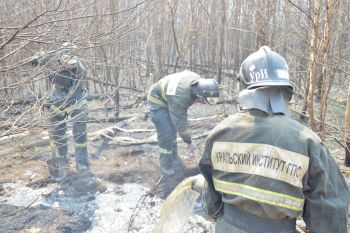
(264, 169)
(168, 101)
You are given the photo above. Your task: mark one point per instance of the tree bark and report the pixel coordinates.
(325, 75)
(222, 40)
(347, 130)
(313, 66)
(159, 39)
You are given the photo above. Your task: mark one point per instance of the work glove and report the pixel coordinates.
(37, 58)
(192, 147)
(34, 61)
(145, 116)
(198, 183)
(186, 136)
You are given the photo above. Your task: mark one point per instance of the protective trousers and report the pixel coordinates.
(58, 132)
(167, 135)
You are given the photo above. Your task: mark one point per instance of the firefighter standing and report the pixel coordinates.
(67, 100)
(168, 101)
(264, 169)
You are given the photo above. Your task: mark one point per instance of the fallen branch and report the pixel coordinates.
(19, 134)
(45, 140)
(12, 137)
(107, 134)
(142, 198)
(105, 83)
(24, 147)
(129, 141)
(110, 132)
(109, 119)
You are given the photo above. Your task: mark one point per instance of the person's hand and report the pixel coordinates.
(192, 147)
(35, 60)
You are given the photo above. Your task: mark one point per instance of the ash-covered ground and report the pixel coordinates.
(128, 198)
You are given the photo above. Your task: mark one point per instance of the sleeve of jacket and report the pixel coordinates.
(212, 202)
(178, 114)
(49, 59)
(327, 195)
(80, 73)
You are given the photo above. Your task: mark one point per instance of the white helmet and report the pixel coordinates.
(69, 61)
(66, 47)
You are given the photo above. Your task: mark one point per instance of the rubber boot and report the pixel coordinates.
(166, 165)
(58, 168)
(62, 169)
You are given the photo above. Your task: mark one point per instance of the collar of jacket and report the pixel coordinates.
(255, 112)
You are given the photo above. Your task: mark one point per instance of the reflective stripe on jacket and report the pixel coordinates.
(174, 93)
(68, 109)
(276, 168)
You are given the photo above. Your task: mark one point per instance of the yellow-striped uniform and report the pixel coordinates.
(265, 171)
(168, 101)
(68, 101)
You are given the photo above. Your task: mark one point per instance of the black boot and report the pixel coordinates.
(166, 165)
(58, 168)
(347, 159)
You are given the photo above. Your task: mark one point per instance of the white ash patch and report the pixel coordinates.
(121, 208)
(125, 208)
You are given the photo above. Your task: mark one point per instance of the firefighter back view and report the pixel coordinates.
(263, 169)
(67, 100)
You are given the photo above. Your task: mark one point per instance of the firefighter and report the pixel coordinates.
(67, 99)
(264, 169)
(168, 101)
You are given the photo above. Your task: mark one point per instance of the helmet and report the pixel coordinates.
(69, 61)
(66, 47)
(264, 68)
(206, 88)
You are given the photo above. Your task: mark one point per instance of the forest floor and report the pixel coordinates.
(128, 199)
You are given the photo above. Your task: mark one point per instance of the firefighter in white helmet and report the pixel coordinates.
(264, 169)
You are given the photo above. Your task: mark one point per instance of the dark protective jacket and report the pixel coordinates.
(67, 98)
(68, 81)
(173, 92)
(65, 77)
(273, 167)
(68, 86)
